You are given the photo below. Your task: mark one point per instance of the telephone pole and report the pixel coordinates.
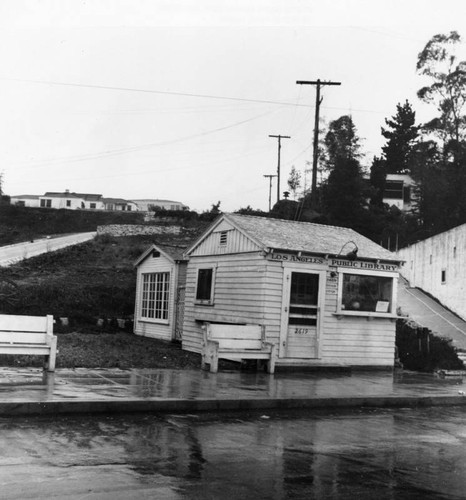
(318, 83)
(279, 137)
(270, 177)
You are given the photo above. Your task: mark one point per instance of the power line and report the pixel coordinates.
(187, 94)
(131, 149)
(162, 92)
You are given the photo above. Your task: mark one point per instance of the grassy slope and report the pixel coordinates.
(89, 281)
(22, 224)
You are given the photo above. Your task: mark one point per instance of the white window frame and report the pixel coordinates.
(149, 300)
(369, 314)
(210, 301)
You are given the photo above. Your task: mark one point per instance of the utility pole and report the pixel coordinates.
(270, 177)
(279, 137)
(318, 85)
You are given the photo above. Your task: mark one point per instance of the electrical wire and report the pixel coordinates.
(117, 152)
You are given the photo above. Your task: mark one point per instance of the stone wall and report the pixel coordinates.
(135, 230)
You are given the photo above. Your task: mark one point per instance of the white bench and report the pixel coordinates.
(235, 343)
(32, 335)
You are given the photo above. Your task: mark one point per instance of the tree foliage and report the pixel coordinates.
(294, 181)
(438, 62)
(401, 134)
(341, 141)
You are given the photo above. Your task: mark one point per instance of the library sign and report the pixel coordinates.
(333, 262)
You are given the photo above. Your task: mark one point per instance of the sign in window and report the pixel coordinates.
(367, 293)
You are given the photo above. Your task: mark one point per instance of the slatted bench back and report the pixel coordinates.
(236, 337)
(25, 329)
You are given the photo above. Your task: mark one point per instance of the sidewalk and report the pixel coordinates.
(29, 391)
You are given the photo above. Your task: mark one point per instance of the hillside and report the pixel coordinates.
(22, 224)
(86, 283)
(83, 283)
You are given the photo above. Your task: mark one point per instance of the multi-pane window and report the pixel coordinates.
(45, 203)
(367, 293)
(155, 295)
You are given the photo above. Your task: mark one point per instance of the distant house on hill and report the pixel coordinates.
(398, 191)
(119, 205)
(71, 201)
(74, 201)
(437, 266)
(147, 205)
(25, 200)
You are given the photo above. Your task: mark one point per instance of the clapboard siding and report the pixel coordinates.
(237, 294)
(249, 289)
(357, 340)
(151, 328)
(236, 242)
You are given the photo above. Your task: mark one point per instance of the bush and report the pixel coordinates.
(420, 350)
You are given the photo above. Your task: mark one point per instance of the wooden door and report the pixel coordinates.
(301, 315)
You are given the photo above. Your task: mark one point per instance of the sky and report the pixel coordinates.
(176, 99)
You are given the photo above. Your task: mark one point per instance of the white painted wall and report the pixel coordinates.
(426, 260)
(249, 289)
(27, 202)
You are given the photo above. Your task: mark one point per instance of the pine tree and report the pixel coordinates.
(401, 134)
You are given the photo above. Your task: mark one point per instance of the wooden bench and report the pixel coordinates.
(235, 343)
(32, 335)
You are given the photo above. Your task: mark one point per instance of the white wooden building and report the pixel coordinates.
(161, 275)
(437, 266)
(326, 295)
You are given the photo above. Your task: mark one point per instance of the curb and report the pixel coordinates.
(62, 407)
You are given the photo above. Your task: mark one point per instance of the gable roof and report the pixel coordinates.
(171, 252)
(285, 235)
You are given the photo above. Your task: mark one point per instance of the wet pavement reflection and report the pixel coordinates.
(31, 384)
(364, 454)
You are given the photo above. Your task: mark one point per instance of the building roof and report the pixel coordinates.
(67, 194)
(26, 196)
(173, 252)
(285, 235)
(116, 200)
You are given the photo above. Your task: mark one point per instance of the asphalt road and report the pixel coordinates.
(366, 454)
(14, 253)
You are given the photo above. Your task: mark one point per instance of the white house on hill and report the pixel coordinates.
(146, 205)
(399, 191)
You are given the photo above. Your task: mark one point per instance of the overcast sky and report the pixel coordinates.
(176, 99)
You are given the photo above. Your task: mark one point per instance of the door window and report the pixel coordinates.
(304, 295)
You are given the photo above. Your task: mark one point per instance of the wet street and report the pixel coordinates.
(363, 454)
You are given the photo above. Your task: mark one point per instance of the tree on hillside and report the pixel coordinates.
(401, 134)
(294, 181)
(438, 61)
(345, 193)
(378, 176)
(341, 141)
